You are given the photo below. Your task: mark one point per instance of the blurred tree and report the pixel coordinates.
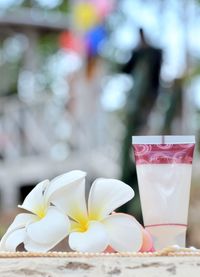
(144, 67)
(175, 107)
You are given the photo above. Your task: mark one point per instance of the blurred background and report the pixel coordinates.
(78, 78)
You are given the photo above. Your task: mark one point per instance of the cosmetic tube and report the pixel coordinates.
(164, 169)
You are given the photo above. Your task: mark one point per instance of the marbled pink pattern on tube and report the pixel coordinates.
(163, 153)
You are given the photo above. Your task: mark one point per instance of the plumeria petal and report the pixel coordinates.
(14, 239)
(147, 244)
(106, 195)
(95, 239)
(32, 246)
(125, 233)
(36, 201)
(63, 181)
(71, 198)
(52, 228)
(21, 220)
(18, 224)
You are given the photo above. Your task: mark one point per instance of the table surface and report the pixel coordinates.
(105, 265)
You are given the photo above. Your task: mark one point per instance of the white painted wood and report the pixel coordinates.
(101, 266)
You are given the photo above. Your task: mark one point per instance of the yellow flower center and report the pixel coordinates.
(81, 221)
(84, 226)
(41, 212)
(80, 226)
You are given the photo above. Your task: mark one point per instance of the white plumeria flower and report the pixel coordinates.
(94, 226)
(46, 225)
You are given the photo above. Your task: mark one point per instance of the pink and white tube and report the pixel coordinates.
(164, 169)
